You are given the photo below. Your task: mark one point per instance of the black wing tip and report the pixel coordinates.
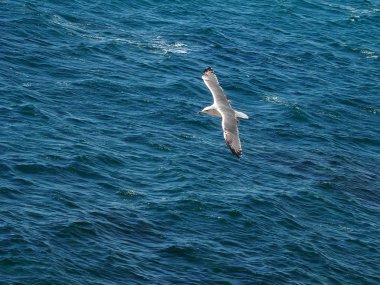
(208, 69)
(237, 153)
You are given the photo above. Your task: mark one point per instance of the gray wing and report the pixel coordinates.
(231, 133)
(212, 83)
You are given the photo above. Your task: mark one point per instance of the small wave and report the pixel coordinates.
(294, 110)
(373, 110)
(363, 51)
(129, 194)
(60, 21)
(357, 11)
(36, 168)
(280, 101)
(160, 146)
(183, 251)
(369, 54)
(170, 47)
(274, 99)
(157, 44)
(30, 110)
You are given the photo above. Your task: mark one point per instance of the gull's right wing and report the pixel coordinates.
(231, 132)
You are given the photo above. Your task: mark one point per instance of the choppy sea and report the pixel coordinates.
(109, 176)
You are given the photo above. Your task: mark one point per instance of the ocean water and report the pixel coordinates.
(109, 176)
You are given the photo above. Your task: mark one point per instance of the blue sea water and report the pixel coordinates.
(109, 176)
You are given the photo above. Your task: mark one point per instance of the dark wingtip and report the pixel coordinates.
(208, 69)
(238, 153)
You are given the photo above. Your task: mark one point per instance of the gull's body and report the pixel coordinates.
(222, 108)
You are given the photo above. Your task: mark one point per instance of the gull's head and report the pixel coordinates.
(205, 110)
(210, 110)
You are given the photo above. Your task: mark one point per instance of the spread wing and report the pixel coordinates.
(231, 133)
(212, 83)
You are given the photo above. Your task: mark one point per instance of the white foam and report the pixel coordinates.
(167, 47)
(273, 99)
(369, 54)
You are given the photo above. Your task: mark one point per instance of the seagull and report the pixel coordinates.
(222, 108)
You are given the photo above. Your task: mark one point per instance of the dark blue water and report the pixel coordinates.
(109, 176)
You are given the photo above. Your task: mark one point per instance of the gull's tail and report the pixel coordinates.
(241, 115)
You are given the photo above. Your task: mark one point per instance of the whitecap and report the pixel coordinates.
(358, 11)
(273, 99)
(366, 52)
(373, 110)
(26, 84)
(369, 54)
(157, 44)
(170, 47)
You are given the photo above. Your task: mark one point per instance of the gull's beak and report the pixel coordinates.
(200, 113)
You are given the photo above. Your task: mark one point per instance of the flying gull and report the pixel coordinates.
(222, 108)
